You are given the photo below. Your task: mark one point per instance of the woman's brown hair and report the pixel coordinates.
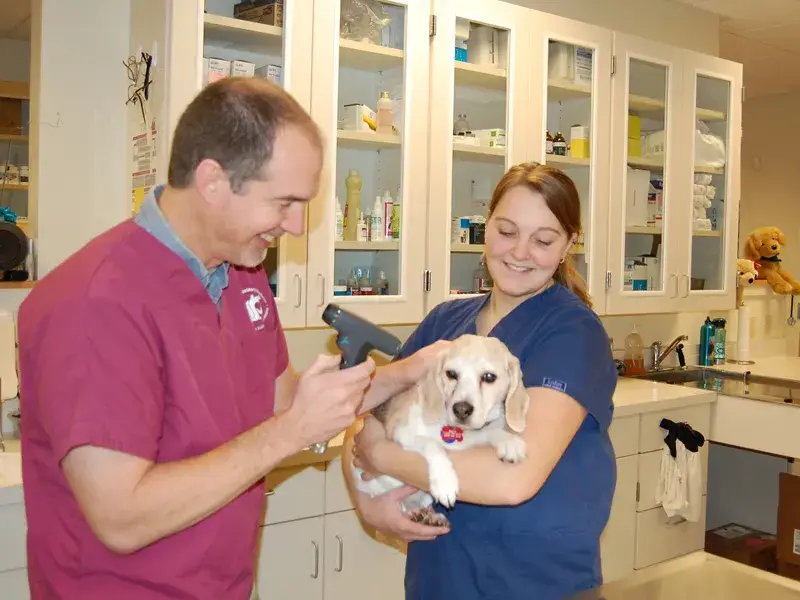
(562, 198)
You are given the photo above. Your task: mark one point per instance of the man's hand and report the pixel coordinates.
(326, 399)
(385, 514)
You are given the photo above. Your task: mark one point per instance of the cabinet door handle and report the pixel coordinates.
(321, 278)
(299, 282)
(688, 285)
(269, 492)
(675, 295)
(315, 574)
(340, 554)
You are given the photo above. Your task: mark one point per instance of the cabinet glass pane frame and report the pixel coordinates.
(407, 306)
(676, 169)
(503, 16)
(595, 217)
(699, 66)
(188, 24)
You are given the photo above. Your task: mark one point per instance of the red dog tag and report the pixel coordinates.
(452, 434)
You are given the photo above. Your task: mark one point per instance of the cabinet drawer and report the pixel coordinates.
(624, 433)
(336, 497)
(651, 436)
(618, 542)
(13, 533)
(658, 540)
(14, 585)
(650, 473)
(295, 493)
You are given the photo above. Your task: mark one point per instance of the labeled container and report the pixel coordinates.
(719, 341)
(704, 353)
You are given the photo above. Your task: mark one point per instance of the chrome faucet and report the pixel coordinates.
(659, 355)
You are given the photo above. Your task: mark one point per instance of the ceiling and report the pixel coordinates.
(15, 19)
(763, 35)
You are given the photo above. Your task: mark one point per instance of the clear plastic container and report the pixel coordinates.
(634, 353)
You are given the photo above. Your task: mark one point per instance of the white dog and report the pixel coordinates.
(473, 395)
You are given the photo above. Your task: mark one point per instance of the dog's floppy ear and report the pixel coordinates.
(432, 390)
(751, 247)
(517, 399)
(781, 236)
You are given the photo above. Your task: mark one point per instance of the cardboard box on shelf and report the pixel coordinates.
(744, 545)
(789, 518)
(266, 14)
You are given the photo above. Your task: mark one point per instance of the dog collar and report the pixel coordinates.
(452, 434)
(770, 259)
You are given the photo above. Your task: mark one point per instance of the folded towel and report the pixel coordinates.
(680, 484)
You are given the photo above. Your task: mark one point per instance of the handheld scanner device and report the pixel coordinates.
(356, 338)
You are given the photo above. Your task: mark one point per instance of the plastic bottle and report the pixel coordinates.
(387, 215)
(339, 221)
(352, 206)
(352, 283)
(706, 343)
(384, 118)
(361, 234)
(719, 341)
(461, 125)
(634, 353)
(382, 285)
(548, 143)
(481, 280)
(376, 230)
(364, 286)
(396, 214)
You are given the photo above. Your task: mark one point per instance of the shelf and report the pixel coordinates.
(706, 114)
(480, 153)
(242, 35)
(368, 246)
(467, 248)
(643, 230)
(565, 161)
(370, 57)
(645, 104)
(708, 169)
(20, 90)
(13, 187)
(366, 140)
(479, 76)
(559, 90)
(16, 285)
(14, 139)
(705, 233)
(648, 163)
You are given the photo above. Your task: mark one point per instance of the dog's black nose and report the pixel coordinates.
(462, 410)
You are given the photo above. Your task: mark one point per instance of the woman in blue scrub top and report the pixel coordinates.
(526, 531)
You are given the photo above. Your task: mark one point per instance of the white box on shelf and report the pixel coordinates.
(490, 137)
(242, 68)
(218, 69)
(573, 63)
(637, 191)
(353, 117)
(271, 72)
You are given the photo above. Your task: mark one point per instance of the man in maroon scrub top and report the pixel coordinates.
(155, 380)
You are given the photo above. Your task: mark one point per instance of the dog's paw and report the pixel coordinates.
(444, 485)
(428, 516)
(783, 288)
(512, 449)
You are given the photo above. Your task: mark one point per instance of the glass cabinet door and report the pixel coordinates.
(267, 41)
(370, 79)
(714, 90)
(480, 57)
(574, 127)
(645, 228)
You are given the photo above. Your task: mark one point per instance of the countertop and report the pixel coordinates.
(635, 396)
(695, 576)
(781, 367)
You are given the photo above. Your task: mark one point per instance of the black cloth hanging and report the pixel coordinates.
(682, 431)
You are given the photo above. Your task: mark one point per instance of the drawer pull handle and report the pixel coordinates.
(269, 492)
(315, 574)
(340, 552)
(299, 291)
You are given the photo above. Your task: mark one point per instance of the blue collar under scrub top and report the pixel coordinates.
(548, 547)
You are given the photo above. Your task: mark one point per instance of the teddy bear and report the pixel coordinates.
(746, 275)
(763, 247)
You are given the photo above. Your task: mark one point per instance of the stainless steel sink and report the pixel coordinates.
(730, 383)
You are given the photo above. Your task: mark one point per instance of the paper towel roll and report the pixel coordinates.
(743, 333)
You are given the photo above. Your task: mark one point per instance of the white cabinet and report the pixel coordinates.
(673, 246)
(315, 547)
(618, 542)
(626, 106)
(489, 93)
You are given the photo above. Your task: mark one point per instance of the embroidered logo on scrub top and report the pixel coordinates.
(554, 384)
(257, 307)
